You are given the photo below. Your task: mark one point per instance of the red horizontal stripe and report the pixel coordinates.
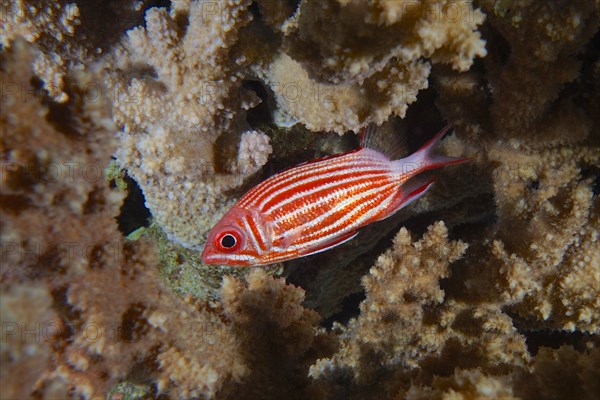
(326, 226)
(264, 189)
(307, 172)
(321, 181)
(271, 188)
(343, 192)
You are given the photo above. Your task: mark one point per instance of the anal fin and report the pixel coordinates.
(329, 244)
(409, 191)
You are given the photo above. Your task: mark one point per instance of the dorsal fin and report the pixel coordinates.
(384, 139)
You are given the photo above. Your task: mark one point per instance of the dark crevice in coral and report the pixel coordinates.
(142, 371)
(60, 302)
(497, 46)
(260, 114)
(94, 202)
(50, 259)
(453, 356)
(14, 204)
(592, 172)
(291, 146)
(467, 324)
(133, 213)
(255, 11)
(159, 3)
(102, 23)
(60, 116)
(590, 56)
(350, 309)
(276, 12)
(225, 149)
(294, 4)
(23, 177)
(554, 339)
(94, 257)
(133, 324)
(182, 20)
(533, 184)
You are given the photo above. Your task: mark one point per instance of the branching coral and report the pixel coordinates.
(439, 319)
(26, 307)
(352, 63)
(178, 91)
(552, 368)
(406, 323)
(67, 33)
(343, 107)
(46, 168)
(96, 321)
(98, 316)
(529, 97)
(464, 385)
(48, 23)
(540, 149)
(350, 41)
(280, 337)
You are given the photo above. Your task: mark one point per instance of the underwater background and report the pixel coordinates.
(128, 128)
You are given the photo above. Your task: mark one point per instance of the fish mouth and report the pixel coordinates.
(208, 257)
(215, 258)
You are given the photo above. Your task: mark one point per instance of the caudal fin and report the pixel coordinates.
(425, 159)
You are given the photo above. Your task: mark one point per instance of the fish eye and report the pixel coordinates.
(228, 241)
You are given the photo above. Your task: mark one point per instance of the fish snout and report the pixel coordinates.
(209, 254)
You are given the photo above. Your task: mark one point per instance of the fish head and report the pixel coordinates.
(232, 241)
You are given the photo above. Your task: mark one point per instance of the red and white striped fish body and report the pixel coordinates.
(318, 205)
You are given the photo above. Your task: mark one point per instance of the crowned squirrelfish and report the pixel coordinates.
(320, 204)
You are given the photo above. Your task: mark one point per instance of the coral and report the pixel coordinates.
(539, 149)
(254, 149)
(96, 324)
(50, 24)
(176, 95)
(342, 107)
(67, 33)
(492, 302)
(183, 270)
(465, 384)
(180, 96)
(558, 223)
(280, 336)
(548, 374)
(46, 168)
(348, 64)
(527, 103)
(26, 308)
(400, 284)
(350, 41)
(93, 302)
(424, 329)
